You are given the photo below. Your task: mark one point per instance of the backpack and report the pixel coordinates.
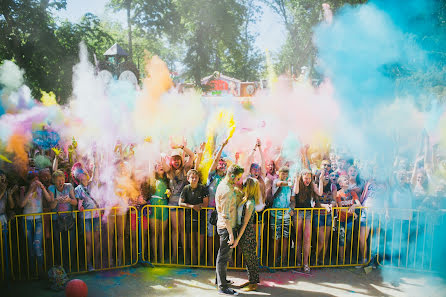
(57, 278)
(213, 218)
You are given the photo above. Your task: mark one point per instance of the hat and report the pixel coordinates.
(77, 171)
(175, 153)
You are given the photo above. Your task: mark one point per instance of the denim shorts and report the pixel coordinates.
(343, 231)
(323, 219)
(276, 227)
(301, 214)
(89, 225)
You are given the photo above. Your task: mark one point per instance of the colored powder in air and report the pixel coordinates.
(16, 145)
(222, 120)
(11, 76)
(42, 162)
(48, 99)
(2, 157)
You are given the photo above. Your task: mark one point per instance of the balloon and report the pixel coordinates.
(76, 288)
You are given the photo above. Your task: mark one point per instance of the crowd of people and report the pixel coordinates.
(268, 205)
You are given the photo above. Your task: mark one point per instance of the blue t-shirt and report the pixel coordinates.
(282, 200)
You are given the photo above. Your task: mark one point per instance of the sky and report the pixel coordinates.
(271, 32)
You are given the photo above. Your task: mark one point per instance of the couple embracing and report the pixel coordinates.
(236, 226)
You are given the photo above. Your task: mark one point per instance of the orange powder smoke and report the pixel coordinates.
(147, 108)
(16, 145)
(156, 83)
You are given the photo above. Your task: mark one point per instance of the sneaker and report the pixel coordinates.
(228, 281)
(227, 291)
(278, 262)
(362, 263)
(90, 267)
(250, 287)
(374, 262)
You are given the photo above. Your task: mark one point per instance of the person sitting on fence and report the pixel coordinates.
(217, 173)
(280, 220)
(32, 204)
(90, 219)
(346, 198)
(194, 196)
(306, 195)
(63, 200)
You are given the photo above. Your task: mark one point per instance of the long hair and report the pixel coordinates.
(327, 187)
(306, 192)
(252, 189)
(158, 176)
(358, 179)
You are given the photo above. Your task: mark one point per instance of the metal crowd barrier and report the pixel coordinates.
(2, 252)
(103, 239)
(319, 232)
(411, 239)
(171, 237)
(74, 240)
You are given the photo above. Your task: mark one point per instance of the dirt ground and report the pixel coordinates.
(160, 281)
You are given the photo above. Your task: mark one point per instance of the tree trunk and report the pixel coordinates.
(129, 25)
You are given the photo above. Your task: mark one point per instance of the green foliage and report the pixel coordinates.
(204, 35)
(143, 41)
(218, 39)
(47, 51)
(27, 37)
(299, 18)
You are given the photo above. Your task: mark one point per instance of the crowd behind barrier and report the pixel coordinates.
(75, 215)
(123, 238)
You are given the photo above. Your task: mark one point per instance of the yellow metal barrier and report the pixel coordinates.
(409, 238)
(188, 231)
(315, 238)
(103, 239)
(2, 254)
(95, 239)
(282, 240)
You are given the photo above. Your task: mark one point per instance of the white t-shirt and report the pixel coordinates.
(34, 204)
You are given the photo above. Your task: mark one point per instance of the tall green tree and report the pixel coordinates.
(207, 35)
(151, 25)
(127, 5)
(30, 36)
(27, 37)
(299, 18)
